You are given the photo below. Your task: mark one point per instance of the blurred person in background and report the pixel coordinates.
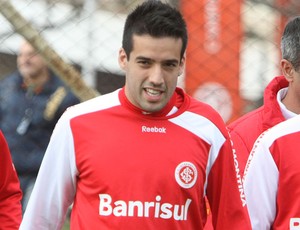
(10, 191)
(144, 156)
(31, 101)
(272, 178)
(281, 98)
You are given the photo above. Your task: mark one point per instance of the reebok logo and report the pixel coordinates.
(154, 129)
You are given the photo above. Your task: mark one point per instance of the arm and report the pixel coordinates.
(224, 189)
(10, 192)
(261, 182)
(56, 182)
(240, 151)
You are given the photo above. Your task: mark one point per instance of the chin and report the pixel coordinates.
(153, 109)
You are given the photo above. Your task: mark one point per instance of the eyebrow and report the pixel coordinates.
(142, 58)
(149, 59)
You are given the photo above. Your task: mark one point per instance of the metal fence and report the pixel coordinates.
(87, 34)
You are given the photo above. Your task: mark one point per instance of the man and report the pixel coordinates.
(281, 98)
(144, 156)
(10, 192)
(31, 101)
(272, 178)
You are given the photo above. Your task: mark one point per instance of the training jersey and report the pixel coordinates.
(272, 177)
(245, 130)
(123, 168)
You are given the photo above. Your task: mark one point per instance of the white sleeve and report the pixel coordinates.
(260, 184)
(55, 186)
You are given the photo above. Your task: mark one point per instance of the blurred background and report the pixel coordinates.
(233, 50)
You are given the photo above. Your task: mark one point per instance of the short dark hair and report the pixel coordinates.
(156, 19)
(290, 42)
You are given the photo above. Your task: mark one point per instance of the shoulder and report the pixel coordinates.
(277, 132)
(203, 115)
(10, 79)
(245, 130)
(282, 129)
(252, 119)
(93, 105)
(58, 90)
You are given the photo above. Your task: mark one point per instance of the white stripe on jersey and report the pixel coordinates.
(204, 129)
(95, 104)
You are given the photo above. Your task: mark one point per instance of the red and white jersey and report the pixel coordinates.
(272, 178)
(126, 169)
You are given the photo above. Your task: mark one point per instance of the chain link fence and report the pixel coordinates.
(86, 35)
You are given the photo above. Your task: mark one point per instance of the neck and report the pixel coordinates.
(36, 82)
(291, 102)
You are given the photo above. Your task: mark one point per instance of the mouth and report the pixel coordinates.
(153, 92)
(153, 95)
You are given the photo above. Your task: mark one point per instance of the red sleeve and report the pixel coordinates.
(241, 151)
(10, 192)
(225, 194)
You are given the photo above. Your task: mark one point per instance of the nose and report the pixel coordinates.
(23, 58)
(156, 75)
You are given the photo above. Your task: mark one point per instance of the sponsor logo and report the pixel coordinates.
(154, 129)
(240, 180)
(138, 208)
(186, 174)
(294, 224)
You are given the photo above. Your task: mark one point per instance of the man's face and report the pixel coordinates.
(292, 75)
(29, 63)
(295, 87)
(152, 71)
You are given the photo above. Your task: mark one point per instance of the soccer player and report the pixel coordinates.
(281, 97)
(144, 156)
(272, 177)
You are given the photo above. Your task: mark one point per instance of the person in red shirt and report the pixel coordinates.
(272, 178)
(10, 191)
(281, 98)
(144, 156)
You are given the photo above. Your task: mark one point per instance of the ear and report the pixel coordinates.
(287, 69)
(182, 65)
(122, 59)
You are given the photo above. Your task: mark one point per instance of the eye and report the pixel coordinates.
(144, 63)
(170, 64)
